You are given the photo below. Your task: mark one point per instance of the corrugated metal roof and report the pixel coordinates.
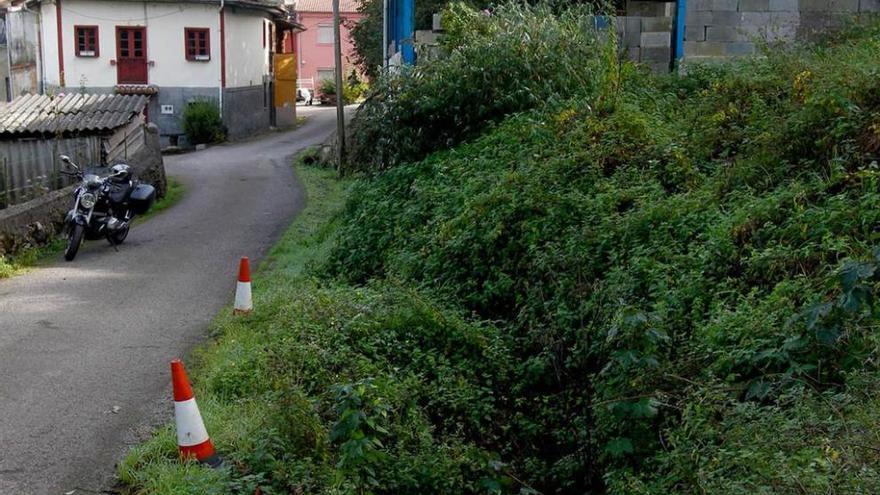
(325, 5)
(42, 114)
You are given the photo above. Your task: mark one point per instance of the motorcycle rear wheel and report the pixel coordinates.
(74, 240)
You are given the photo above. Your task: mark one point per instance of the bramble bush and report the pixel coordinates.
(202, 122)
(512, 60)
(685, 268)
(660, 285)
(352, 89)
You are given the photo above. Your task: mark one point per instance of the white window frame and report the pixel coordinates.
(320, 77)
(324, 30)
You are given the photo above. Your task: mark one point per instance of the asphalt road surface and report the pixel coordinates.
(81, 340)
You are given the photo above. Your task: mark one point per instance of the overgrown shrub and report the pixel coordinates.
(512, 60)
(685, 269)
(366, 32)
(352, 90)
(366, 36)
(666, 285)
(202, 122)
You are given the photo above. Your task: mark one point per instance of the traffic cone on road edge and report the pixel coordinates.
(243, 302)
(192, 437)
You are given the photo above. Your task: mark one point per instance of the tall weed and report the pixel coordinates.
(671, 266)
(515, 58)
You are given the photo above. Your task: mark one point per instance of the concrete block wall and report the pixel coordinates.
(716, 29)
(246, 111)
(647, 39)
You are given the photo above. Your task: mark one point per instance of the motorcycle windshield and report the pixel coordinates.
(92, 181)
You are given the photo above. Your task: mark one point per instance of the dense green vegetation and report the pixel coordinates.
(682, 265)
(516, 59)
(366, 33)
(652, 285)
(202, 122)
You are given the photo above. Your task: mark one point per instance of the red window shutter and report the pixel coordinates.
(86, 41)
(197, 44)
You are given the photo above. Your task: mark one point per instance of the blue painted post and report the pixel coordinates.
(680, 16)
(393, 9)
(407, 31)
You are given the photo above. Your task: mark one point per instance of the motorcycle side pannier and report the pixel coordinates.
(142, 198)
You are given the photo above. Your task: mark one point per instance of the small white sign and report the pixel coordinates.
(167, 109)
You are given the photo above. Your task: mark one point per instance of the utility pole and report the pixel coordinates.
(340, 103)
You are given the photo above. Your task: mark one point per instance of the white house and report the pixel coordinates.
(220, 50)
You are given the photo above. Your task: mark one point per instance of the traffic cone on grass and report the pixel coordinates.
(192, 437)
(243, 302)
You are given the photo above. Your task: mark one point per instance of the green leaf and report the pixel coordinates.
(853, 272)
(758, 389)
(645, 408)
(619, 447)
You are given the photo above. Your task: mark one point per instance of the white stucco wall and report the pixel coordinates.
(165, 23)
(246, 58)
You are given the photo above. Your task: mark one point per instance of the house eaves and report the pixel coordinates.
(276, 8)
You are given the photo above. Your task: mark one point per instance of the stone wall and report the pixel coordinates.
(148, 164)
(246, 111)
(36, 222)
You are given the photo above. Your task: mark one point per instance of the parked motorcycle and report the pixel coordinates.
(103, 207)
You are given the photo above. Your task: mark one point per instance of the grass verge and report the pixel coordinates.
(328, 388)
(154, 467)
(175, 192)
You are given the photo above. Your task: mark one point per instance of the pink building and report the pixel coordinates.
(314, 46)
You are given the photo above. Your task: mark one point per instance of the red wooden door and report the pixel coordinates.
(131, 55)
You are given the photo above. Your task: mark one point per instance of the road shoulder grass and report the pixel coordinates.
(154, 467)
(329, 387)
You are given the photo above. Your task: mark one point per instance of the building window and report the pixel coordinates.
(198, 44)
(86, 41)
(325, 34)
(326, 74)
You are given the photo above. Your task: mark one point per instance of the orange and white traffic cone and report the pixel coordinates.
(243, 302)
(192, 437)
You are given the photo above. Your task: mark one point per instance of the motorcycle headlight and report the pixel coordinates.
(88, 200)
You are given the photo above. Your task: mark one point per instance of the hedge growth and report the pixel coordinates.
(686, 269)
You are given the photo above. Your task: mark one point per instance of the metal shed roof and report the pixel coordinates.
(73, 113)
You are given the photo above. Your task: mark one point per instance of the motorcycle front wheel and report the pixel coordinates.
(120, 236)
(74, 240)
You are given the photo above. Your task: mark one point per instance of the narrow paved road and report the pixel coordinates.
(77, 339)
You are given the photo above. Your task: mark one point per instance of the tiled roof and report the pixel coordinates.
(325, 5)
(41, 114)
(274, 6)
